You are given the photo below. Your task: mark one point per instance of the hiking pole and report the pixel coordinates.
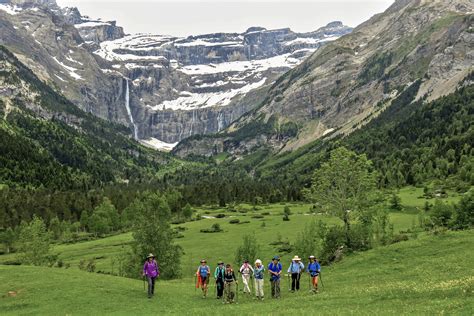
(237, 292)
(195, 284)
(321, 279)
(289, 284)
(143, 283)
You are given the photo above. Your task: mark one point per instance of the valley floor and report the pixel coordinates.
(427, 275)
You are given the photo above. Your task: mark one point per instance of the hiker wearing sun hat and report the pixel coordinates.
(151, 271)
(314, 269)
(296, 268)
(274, 268)
(258, 273)
(203, 272)
(219, 276)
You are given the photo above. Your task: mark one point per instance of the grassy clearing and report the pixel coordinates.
(429, 275)
(222, 246)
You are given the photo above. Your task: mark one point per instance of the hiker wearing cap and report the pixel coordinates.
(203, 272)
(230, 282)
(151, 271)
(258, 273)
(296, 268)
(274, 268)
(246, 270)
(314, 269)
(219, 276)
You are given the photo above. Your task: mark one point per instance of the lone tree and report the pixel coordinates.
(344, 185)
(248, 250)
(152, 233)
(34, 242)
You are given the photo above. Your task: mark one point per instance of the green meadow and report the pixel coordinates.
(428, 274)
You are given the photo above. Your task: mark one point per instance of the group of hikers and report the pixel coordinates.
(226, 282)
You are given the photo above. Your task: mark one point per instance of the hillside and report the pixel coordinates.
(47, 142)
(349, 81)
(429, 275)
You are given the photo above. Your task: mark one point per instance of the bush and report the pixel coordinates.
(234, 221)
(220, 215)
(215, 228)
(248, 250)
(286, 218)
(265, 213)
(399, 238)
(287, 210)
(258, 216)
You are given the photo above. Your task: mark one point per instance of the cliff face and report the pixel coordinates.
(39, 34)
(200, 84)
(349, 81)
(165, 88)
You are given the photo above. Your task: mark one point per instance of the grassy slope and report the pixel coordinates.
(430, 275)
(213, 246)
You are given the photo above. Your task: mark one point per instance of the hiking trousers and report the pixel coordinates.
(220, 287)
(246, 281)
(295, 281)
(151, 285)
(259, 288)
(275, 284)
(229, 292)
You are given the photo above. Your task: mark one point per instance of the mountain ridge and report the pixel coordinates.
(346, 83)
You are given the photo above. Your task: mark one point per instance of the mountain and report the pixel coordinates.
(348, 82)
(47, 142)
(165, 88)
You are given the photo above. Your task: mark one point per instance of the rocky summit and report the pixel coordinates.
(165, 88)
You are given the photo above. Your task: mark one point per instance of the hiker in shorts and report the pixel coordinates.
(246, 270)
(203, 272)
(151, 271)
(296, 268)
(230, 282)
(258, 273)
(274, 269)
(219, 277)
(314, 268)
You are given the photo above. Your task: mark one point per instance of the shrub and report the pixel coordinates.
(215, 228)
(234, 221)
(399, 238)
(220, 215)
(286, 218)
(258, 216)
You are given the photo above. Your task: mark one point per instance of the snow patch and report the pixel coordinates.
(9, 9)
(190, 101)
(281, 61)
(158, 144)
(328, 131)
(91, 24)
(71, 70)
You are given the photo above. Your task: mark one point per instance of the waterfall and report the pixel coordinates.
(129, 111)
(220, 123)
(193, 119)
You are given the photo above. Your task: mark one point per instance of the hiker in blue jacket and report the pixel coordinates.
(274, 268)
(314, 269)
(203, 272)
(296, 268)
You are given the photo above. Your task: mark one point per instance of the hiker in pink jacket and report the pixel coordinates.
(151, 271)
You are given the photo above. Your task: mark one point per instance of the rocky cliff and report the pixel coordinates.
(165, 88)
(345, 84)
